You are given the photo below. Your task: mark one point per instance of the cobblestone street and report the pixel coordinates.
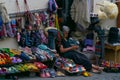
(102, 76)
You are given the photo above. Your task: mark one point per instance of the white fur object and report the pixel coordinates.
(109, 8)
(2, 1)
(102, 15)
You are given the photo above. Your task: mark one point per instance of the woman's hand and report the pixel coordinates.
(62, 49)
(74, 47)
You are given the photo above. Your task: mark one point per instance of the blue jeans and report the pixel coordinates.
(52, 33)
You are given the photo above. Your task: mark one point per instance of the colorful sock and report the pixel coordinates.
(9, 30)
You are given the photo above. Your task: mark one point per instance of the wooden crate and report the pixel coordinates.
(112, 53)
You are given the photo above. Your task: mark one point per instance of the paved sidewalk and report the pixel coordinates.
(102, 76)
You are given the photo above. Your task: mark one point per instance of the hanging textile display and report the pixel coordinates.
(80, 12)
(9, 30)
(5, 25)
(56, 22)
(29, 19)
(19, 19)
(33, 35)
(4, 14)
(52, 6)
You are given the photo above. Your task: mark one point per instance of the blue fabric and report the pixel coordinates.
(88, 42)
(43, 47)
(22, 38)
(32, 38)
(51, 42)
(13, 22)
(73, 41)
(52, 33)
(35, 37)
(1, 23)
(52, 6)
(50, 54)
(23, 56)
(9, 30)
(28, 40)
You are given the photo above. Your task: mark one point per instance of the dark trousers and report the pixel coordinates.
(79, 58)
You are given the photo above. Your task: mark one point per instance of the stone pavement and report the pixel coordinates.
(102, 76)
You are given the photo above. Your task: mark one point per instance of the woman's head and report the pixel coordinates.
(65, 30)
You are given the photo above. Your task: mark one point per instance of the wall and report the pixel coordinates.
(106, 24)
(8, 43)
(12, 8)
(33, 5)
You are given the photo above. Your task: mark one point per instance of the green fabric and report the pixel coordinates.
(56, 22)
(7, 51)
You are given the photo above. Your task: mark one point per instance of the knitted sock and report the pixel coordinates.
(9, 30)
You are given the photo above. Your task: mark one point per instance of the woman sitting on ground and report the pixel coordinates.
(68, 51)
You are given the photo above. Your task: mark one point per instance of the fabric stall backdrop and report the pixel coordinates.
(12, 8)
